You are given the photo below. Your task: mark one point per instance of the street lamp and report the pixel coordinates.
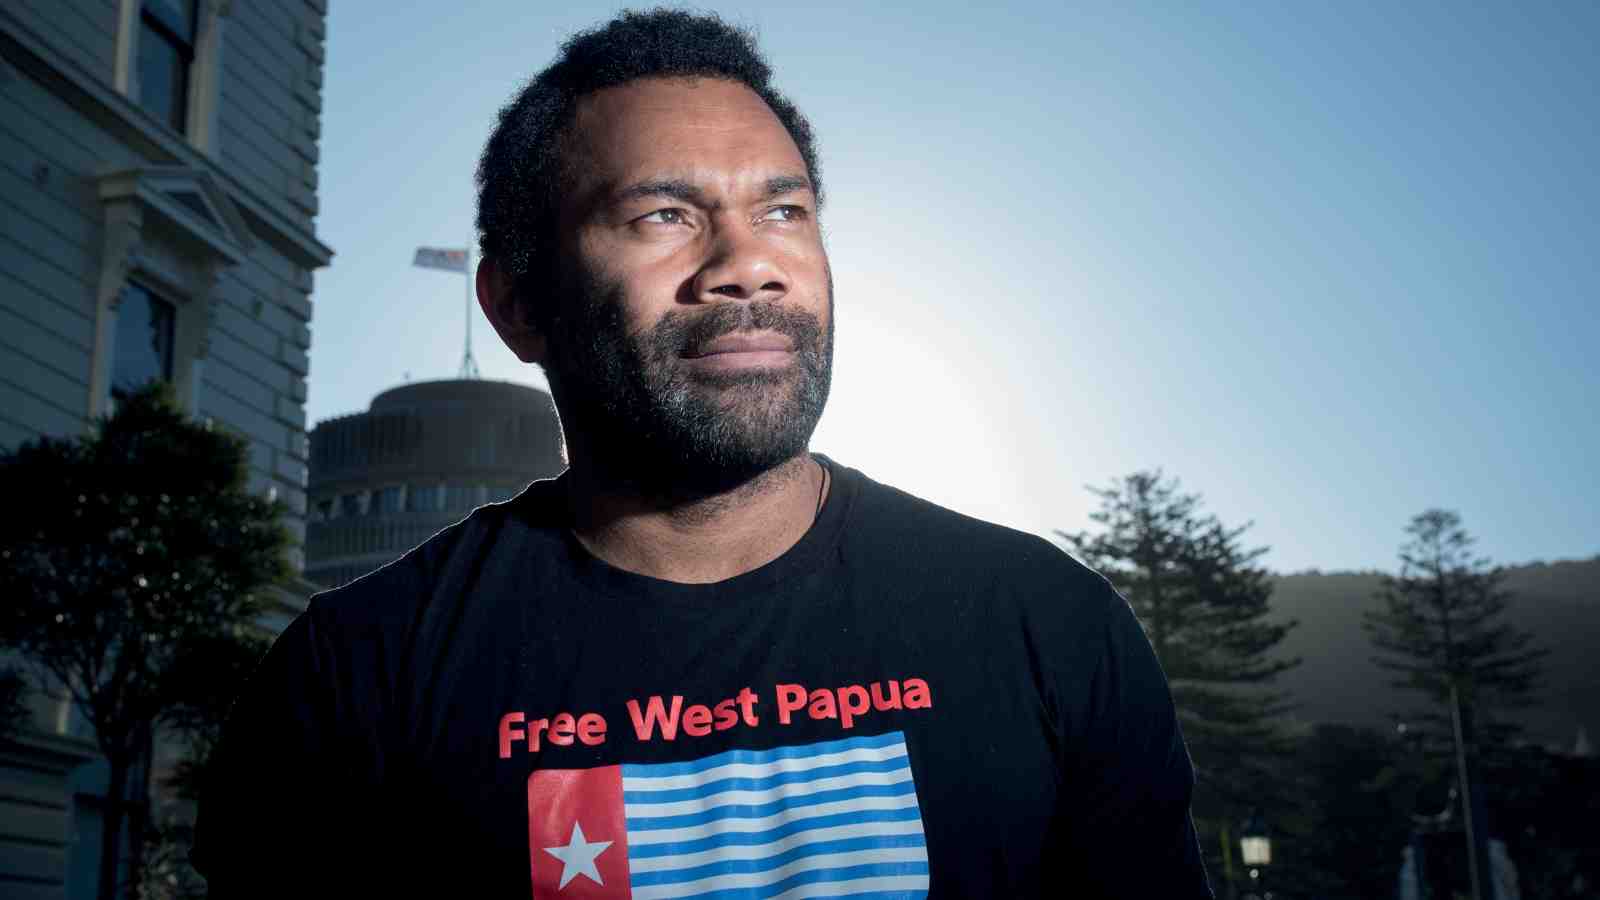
(1255, 849)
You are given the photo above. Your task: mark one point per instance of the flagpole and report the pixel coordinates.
(447, 258)
(469, 367)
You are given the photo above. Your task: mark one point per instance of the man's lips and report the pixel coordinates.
(760, 342)
(763, 349)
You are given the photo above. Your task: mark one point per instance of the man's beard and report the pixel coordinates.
(651, 422)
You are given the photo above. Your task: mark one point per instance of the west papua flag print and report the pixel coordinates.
(828, 819)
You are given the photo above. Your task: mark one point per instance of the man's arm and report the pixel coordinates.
(1130, 778)
(272, 806)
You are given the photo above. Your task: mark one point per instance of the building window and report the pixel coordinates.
(349, 505)
(146, 325)
(149, 236)
(386, 501)
(424, 498)
(166, 52)
(461, 496)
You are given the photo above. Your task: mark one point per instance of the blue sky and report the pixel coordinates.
(1328, 264)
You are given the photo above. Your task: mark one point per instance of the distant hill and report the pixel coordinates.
(1559, 602)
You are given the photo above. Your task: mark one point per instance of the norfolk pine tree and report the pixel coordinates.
(1442, 630)
(1204, 606)
(128, 555)
(1442, 623)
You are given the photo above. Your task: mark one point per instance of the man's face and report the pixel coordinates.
(692, 337)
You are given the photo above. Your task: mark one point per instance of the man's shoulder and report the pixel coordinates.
(919, 530)
(945, 564)
(397, 592)
(391, 592)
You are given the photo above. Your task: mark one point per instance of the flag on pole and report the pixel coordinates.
(440, 258)
(829, 819)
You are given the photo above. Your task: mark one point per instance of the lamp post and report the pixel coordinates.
(1255, 850)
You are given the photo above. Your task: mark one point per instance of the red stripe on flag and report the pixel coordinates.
(570, 813)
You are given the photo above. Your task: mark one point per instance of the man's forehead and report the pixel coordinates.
(698, 131)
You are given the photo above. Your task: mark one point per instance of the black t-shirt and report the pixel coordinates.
(908, 702)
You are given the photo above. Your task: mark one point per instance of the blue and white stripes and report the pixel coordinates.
(833, 819)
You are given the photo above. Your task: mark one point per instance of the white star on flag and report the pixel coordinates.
(578, 856)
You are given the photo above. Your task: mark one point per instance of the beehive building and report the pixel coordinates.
(420, 458)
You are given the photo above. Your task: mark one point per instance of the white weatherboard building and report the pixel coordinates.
(158, 190)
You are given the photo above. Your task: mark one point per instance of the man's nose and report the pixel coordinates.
(740, 265)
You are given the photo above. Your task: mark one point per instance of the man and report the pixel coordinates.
(703, 659)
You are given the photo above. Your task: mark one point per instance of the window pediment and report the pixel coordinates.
(188, 199)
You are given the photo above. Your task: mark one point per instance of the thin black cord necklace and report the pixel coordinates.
(822, 488)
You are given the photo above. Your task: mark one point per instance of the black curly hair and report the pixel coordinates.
(519, 172)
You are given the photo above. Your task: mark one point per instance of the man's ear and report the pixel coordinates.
(511, 319)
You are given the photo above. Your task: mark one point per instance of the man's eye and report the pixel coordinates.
(664, 217)
(788, 213)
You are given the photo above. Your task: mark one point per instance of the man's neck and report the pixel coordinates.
(702, 540)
